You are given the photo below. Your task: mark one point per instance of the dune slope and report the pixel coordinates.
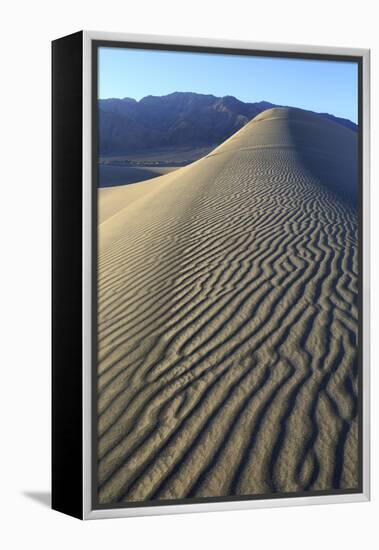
(227, 320)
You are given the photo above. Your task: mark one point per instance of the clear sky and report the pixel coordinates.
(321, 86)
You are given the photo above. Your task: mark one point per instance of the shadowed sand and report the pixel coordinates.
(227, 319)
(110, 175)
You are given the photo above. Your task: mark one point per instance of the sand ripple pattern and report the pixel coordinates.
(227, 327)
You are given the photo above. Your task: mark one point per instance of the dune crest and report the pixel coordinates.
(227, 319)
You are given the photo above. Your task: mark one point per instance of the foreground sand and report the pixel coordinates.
(227, 319)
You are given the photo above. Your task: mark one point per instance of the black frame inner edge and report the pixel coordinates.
(95, 45)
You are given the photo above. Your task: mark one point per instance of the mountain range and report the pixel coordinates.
(179, 119)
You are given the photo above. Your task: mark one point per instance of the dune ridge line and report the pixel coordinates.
(228, 319)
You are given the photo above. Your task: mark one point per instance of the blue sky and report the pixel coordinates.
(321, 86)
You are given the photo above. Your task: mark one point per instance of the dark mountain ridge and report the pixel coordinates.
(178, 119)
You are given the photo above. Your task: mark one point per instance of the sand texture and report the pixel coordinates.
(227, 319)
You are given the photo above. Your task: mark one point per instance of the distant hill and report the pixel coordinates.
(177, 119)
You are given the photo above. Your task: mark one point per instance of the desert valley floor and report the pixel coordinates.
(228, 319)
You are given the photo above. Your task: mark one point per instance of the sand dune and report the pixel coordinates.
(111, 175)
(227, 319)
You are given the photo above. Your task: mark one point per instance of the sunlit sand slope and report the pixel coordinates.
(227, 319)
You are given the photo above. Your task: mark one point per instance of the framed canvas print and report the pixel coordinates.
(210, 275)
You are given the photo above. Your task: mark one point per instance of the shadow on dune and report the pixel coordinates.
(327, 150)
(110, 176)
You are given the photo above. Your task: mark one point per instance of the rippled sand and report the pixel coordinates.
(227, 319)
